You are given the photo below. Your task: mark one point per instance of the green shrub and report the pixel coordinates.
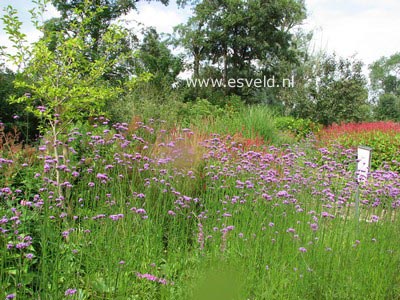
(203, 108)
(299, 127)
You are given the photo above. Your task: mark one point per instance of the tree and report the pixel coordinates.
(99, 15)
(100, 19)
(385, 75)
(156, 58)
(388, 107)
(243, 39)
(385, 84)
(329, 90)
(192, 37)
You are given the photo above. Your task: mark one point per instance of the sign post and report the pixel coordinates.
(363, 166)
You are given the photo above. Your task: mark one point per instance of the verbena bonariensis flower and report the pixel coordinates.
(70, 292)
(154, 278)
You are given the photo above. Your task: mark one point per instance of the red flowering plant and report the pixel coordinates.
(382, 137)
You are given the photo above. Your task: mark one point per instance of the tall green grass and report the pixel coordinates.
(250, 122)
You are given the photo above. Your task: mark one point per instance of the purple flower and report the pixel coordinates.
(70, 292)
(374, 218)
(151, 277)
(116, 217)
(228, 228)
(42, 109)
(10, 296)
(282, 194)
(302, 249)
(29, 255)
(314, 226)
(267, 197)
(23, 245)
(101, 176)
(141, 211)
(325, 214)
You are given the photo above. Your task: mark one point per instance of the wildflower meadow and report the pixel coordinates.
(143, 211)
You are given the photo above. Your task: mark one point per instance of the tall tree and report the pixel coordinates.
(334, 91)
(385, 75)
(100, 19)
(241, 38)
(192, 37)
(97, 17)
(156, 58)
(385, 83)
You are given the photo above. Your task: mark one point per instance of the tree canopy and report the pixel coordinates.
(241, 38)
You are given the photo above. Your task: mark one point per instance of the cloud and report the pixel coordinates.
(363, 27)
(154, 14)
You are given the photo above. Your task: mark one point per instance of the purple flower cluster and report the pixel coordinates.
(153, 278)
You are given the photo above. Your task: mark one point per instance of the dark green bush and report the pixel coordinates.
(299, 127)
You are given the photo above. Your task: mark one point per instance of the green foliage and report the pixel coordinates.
(385, 83)
(156, 58)
(203, 108)
(218, 34)
(330, 90)
(63, 81)
(13, 116)
(156, 95)
(301, 128)
(12, 27)
(385, 148)
(388, 107)
(385, 75)
(147, 102)
(234, 105)
(100, 15)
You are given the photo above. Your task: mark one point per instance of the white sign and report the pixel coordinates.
(363, 162)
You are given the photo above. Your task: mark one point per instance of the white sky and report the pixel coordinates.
(368, 29)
